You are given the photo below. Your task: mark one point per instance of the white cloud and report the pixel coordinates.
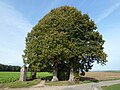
(13, 30)
(108, 12)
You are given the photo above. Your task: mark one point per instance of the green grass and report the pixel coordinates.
(43, 74)
(40, 74)
(6, 77)
(11, 79)
(58, 83)
(112, 87)
(64, 83)
(20, 84)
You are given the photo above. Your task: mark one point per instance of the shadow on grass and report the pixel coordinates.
(31, 79)
(88, 79)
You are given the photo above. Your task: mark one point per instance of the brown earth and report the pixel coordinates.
(103, 75)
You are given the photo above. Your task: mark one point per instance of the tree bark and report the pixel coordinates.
(33, 75)
(71, 77)
(55, 74)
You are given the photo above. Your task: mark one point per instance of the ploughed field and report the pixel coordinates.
(103, 76)
(6, 77)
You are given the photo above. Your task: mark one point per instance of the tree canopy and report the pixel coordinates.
(9, 68)
(64, 35)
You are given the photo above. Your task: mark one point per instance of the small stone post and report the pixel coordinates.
(23, 73)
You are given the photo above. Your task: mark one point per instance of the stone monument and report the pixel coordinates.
(23, 73)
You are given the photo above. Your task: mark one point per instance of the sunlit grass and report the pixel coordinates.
(113, 87)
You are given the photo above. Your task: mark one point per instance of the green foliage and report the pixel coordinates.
(9, 68)
(64, 35)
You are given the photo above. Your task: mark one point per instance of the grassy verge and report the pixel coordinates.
(112, 87)
(65, 83)
(58, 83)
(20, 84)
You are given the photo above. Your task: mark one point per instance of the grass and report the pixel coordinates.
(11, 79)
(112, 87)
(20, 84)
(43, 74)
(90, 77)
(58, 83)
(6, 77)
(65, 83)
(40, 74)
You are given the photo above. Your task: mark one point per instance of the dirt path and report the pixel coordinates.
(88, 86)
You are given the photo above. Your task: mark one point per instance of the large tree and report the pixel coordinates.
(64, 35)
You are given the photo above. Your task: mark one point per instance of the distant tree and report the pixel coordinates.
(64, 35)
(9, 68)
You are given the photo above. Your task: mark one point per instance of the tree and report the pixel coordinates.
(31, 53)
(65, 35)
(9, 68)
(54, 49)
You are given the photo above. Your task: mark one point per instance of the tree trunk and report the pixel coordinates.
(71, 77)
(55, 73)
(33, 75)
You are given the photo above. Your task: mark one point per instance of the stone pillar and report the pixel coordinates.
(23, 73)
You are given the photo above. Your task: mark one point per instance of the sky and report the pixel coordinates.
(17, 17)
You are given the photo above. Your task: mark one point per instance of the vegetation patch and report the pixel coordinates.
(6, 77)
(112, 87)
(20, 84)
(44, 74)
(59, 83)
(66, 83)
(11, 79)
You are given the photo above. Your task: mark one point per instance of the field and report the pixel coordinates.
(102, 76)
(113, 87)
(11, 79)
(6, 77)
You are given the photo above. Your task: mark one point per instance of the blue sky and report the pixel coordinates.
(17, 17)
